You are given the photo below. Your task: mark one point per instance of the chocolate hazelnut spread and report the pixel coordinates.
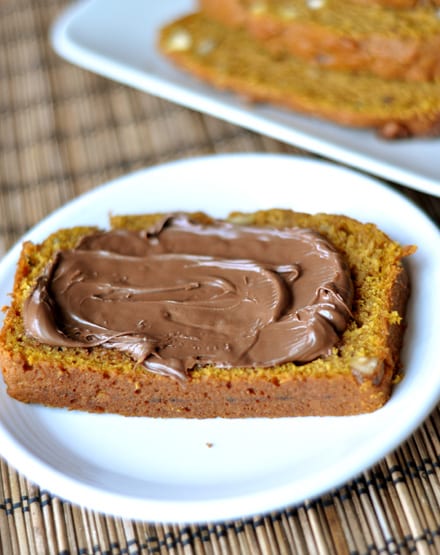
(184, 294)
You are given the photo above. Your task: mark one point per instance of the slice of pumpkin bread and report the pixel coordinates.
(231, 59)
(356, 377)
(393, 44)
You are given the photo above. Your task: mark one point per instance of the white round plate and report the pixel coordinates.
(205, 470)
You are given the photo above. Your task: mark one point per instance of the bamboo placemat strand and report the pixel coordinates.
(65, 131)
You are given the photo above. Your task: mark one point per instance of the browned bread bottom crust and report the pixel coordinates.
(356, 378)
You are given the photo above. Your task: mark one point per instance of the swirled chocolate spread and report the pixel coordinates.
(184, 294)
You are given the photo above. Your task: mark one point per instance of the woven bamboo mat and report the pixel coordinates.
(64, 131)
